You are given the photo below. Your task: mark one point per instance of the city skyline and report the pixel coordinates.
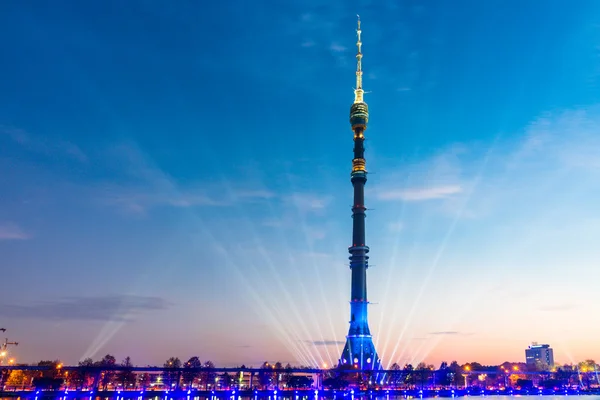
(175, 182)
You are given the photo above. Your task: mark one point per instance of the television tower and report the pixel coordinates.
(359, 351)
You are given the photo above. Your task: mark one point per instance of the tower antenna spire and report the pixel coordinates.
(358, 92)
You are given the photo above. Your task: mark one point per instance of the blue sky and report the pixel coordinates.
(174, 179)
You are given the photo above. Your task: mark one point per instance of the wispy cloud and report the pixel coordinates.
(531, 174)
(254, 194)
(314, 233)
(325, 342)
(10, 231)
(307, 17)
(43, 145)
(396, 226)
(441, 176)
(104, 308)
(558, 307)
(139, 200)
(317, 255)
(149, 187)
(276, 223)
(420, 194)
(337, 48)
(308, 201)
(450, 333)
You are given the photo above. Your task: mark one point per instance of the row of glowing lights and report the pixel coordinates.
(233, 392)
(467, 368)
(316, 393)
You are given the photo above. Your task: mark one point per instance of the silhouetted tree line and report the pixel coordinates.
(107, 374)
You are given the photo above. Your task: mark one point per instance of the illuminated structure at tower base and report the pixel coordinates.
(359, 351)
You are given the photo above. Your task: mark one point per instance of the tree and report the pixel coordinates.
(191, 371)
(475, 366)
(171, 378)
(126, 377)
(287, 375)
(226, 380)
(107, 376)
(395, 377)
(208, 374)
(265, 375)
(456, 373)
(80, 378)
(49, 378)
(444, 375)
(339, 377)
(17, 378)
(423, 371)
(53, 371)
(277, 376)
(409, 378)
(144, 380)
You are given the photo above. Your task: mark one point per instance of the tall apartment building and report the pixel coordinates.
(539, 354)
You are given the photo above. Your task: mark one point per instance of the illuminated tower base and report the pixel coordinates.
(360, 353)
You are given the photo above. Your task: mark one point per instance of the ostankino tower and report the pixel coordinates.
(359, 350)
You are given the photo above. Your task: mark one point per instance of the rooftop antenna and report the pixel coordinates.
(358, 92)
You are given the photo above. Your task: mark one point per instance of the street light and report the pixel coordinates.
(467, 369)
(482, 379)
(506, 375)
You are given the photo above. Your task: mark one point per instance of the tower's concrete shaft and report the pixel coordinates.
(359, 350)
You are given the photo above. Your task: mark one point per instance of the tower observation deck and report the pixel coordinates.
(359, 351)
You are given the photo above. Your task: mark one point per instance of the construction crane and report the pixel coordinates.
(7, 343)
(4, 347)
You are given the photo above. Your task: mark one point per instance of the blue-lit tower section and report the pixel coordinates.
(359, 351)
